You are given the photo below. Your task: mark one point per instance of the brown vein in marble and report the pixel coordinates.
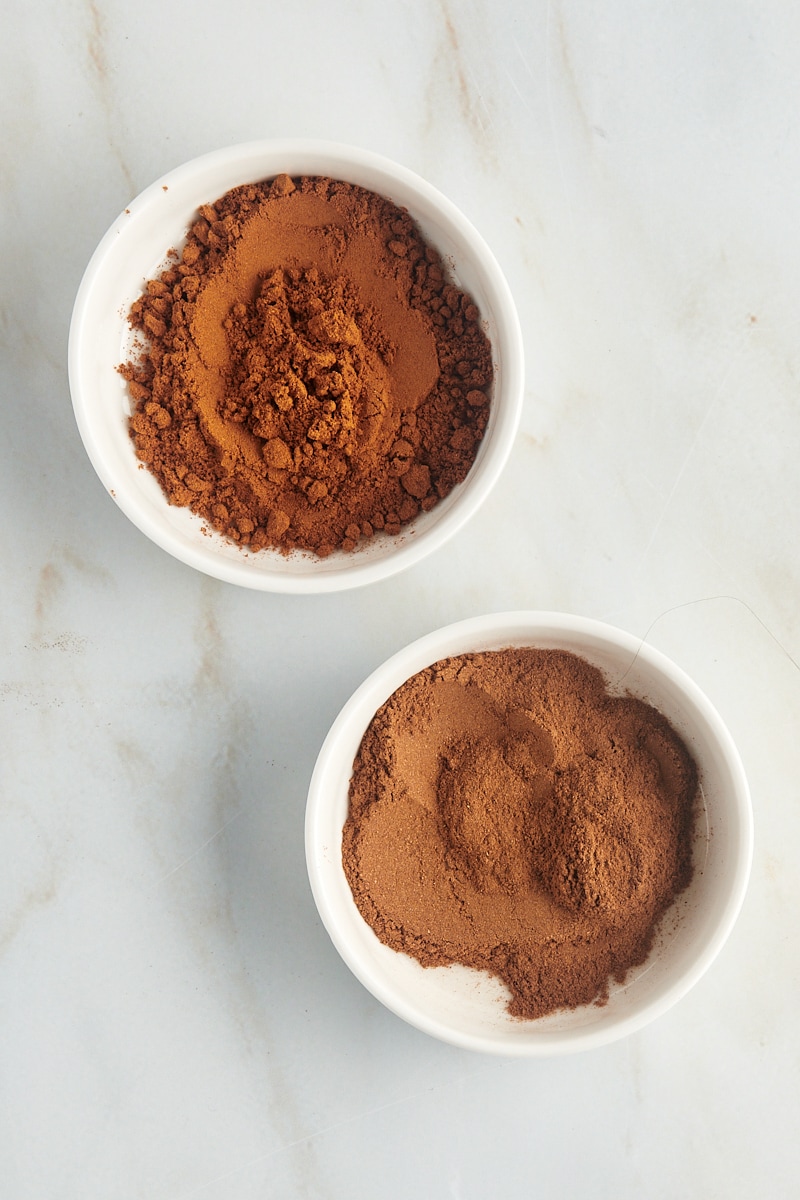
(100, 71)
(452, 63)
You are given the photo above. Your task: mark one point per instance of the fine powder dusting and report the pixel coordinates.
(309, 374)
(508, 813)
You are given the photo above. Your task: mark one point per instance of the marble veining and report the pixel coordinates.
(174, 1020)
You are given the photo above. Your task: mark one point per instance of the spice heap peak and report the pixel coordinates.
(309, 375)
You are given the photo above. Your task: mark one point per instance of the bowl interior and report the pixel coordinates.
(465, 1006)
(134, 250)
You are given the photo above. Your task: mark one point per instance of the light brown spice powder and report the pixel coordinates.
(508, 814)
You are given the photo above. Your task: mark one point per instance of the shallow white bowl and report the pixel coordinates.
(466, 1007)
(134, 250)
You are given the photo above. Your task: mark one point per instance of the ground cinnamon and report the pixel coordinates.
(508, 813)
(308, 373)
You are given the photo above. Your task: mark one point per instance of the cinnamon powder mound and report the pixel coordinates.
(308, 373)
(508, 813)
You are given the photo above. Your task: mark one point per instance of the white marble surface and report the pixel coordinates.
(174, 1022)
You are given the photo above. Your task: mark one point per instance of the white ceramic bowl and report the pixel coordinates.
(132, 252)
(466, 1007)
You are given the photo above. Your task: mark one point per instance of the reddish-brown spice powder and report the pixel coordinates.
(309, 375)
(508, 813)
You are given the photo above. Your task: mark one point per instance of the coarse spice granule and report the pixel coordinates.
(307, 373)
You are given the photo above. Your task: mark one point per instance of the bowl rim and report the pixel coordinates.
(462, 637)
(342, 571)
